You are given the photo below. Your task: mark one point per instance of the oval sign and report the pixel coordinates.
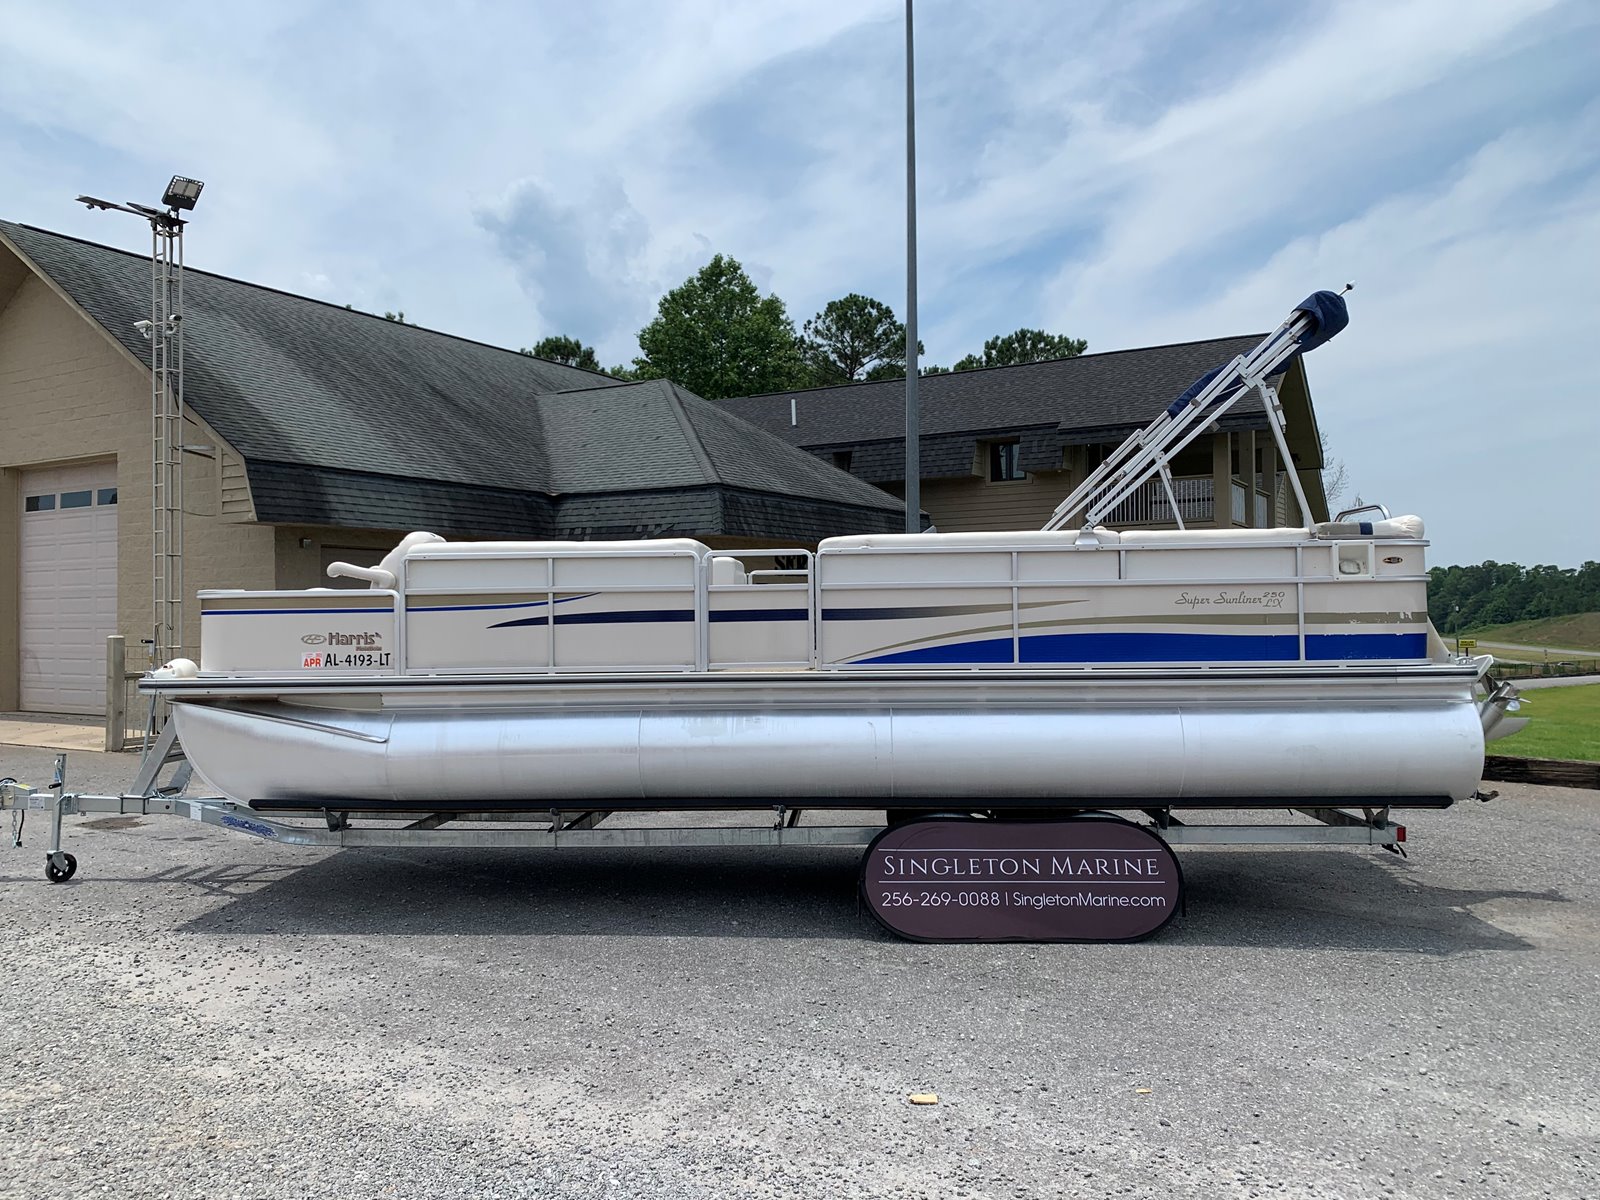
(1090, 878)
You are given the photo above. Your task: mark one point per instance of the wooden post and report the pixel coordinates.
(116, 693)
(1269, 476)
(1221, 482)
(1247, 468)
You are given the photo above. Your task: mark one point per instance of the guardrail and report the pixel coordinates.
(1513, 669)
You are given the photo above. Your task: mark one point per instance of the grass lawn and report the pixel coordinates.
(1580, 631)
(1565, 724)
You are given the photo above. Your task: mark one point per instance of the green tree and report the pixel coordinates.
(1023, 346)
(399, 318)
(561, 349)
(1491, 593)
(853, 338)
(718, 336)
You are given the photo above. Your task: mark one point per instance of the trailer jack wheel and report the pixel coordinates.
(60, 867)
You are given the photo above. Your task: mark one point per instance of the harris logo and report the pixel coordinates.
(314, 639)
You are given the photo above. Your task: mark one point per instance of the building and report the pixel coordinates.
(316, 433)
(1002, 447)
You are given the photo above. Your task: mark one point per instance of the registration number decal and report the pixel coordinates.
(324, 659)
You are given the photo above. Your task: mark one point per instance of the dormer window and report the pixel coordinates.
(1005, 462)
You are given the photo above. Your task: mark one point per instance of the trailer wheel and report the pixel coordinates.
(62, 873)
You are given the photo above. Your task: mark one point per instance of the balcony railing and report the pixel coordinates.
(1150, 505)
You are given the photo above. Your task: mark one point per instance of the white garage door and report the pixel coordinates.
(69, 586)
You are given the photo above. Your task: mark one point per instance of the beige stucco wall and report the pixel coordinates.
(68, 394)
(301, 552)
(974, 504)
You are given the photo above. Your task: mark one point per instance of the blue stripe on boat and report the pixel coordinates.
(1168, 647)
(641, 616)
(1331, 646)
(295, 612)
(658, 614)
(901, 613)
(487, 607)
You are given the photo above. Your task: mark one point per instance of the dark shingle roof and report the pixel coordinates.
(290, 494)
(348, 419)
(655, 434)
(289, 379)
(1120, 390)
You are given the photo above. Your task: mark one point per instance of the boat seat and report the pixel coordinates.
(1394, 527)
(1199, 537)
(383, 576)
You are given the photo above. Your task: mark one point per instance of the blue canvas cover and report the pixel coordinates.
(1193, 390)
(1328, 315)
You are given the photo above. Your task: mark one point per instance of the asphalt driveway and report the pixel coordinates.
(203, 1014)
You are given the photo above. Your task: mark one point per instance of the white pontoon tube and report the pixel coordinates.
(1149, 451)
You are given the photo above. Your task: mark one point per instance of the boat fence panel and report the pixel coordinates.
(1241, 596)
(1236, 596)
(762, 618)
(546, 607)
(327, 631)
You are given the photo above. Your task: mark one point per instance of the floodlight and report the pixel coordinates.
(182, 193)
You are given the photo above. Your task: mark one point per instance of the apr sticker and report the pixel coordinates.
(310, 660)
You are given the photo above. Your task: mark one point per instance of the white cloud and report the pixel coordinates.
(1129, 173)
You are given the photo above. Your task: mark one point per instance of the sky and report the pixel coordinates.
(1133, 174)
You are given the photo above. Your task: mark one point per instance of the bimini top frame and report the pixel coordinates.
(1149, 452)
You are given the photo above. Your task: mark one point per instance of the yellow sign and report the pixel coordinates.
(1467, 644)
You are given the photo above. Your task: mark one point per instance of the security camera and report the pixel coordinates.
(144, 328)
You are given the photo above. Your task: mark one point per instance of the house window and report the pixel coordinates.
(841, 459)
(107, 496)
(1005, 462)
(84, 499)
(39, 504)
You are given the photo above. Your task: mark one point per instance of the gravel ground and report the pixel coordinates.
(200, 1014)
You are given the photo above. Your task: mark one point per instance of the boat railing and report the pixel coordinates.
(546, 579)
(1345, 514)
(779, 605)
(1023, 577)
(739, 614)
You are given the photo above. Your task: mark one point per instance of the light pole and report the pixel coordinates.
(164, 331)
(913, 415)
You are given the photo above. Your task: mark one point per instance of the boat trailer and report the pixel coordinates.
(494, 826)
(925, 875)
